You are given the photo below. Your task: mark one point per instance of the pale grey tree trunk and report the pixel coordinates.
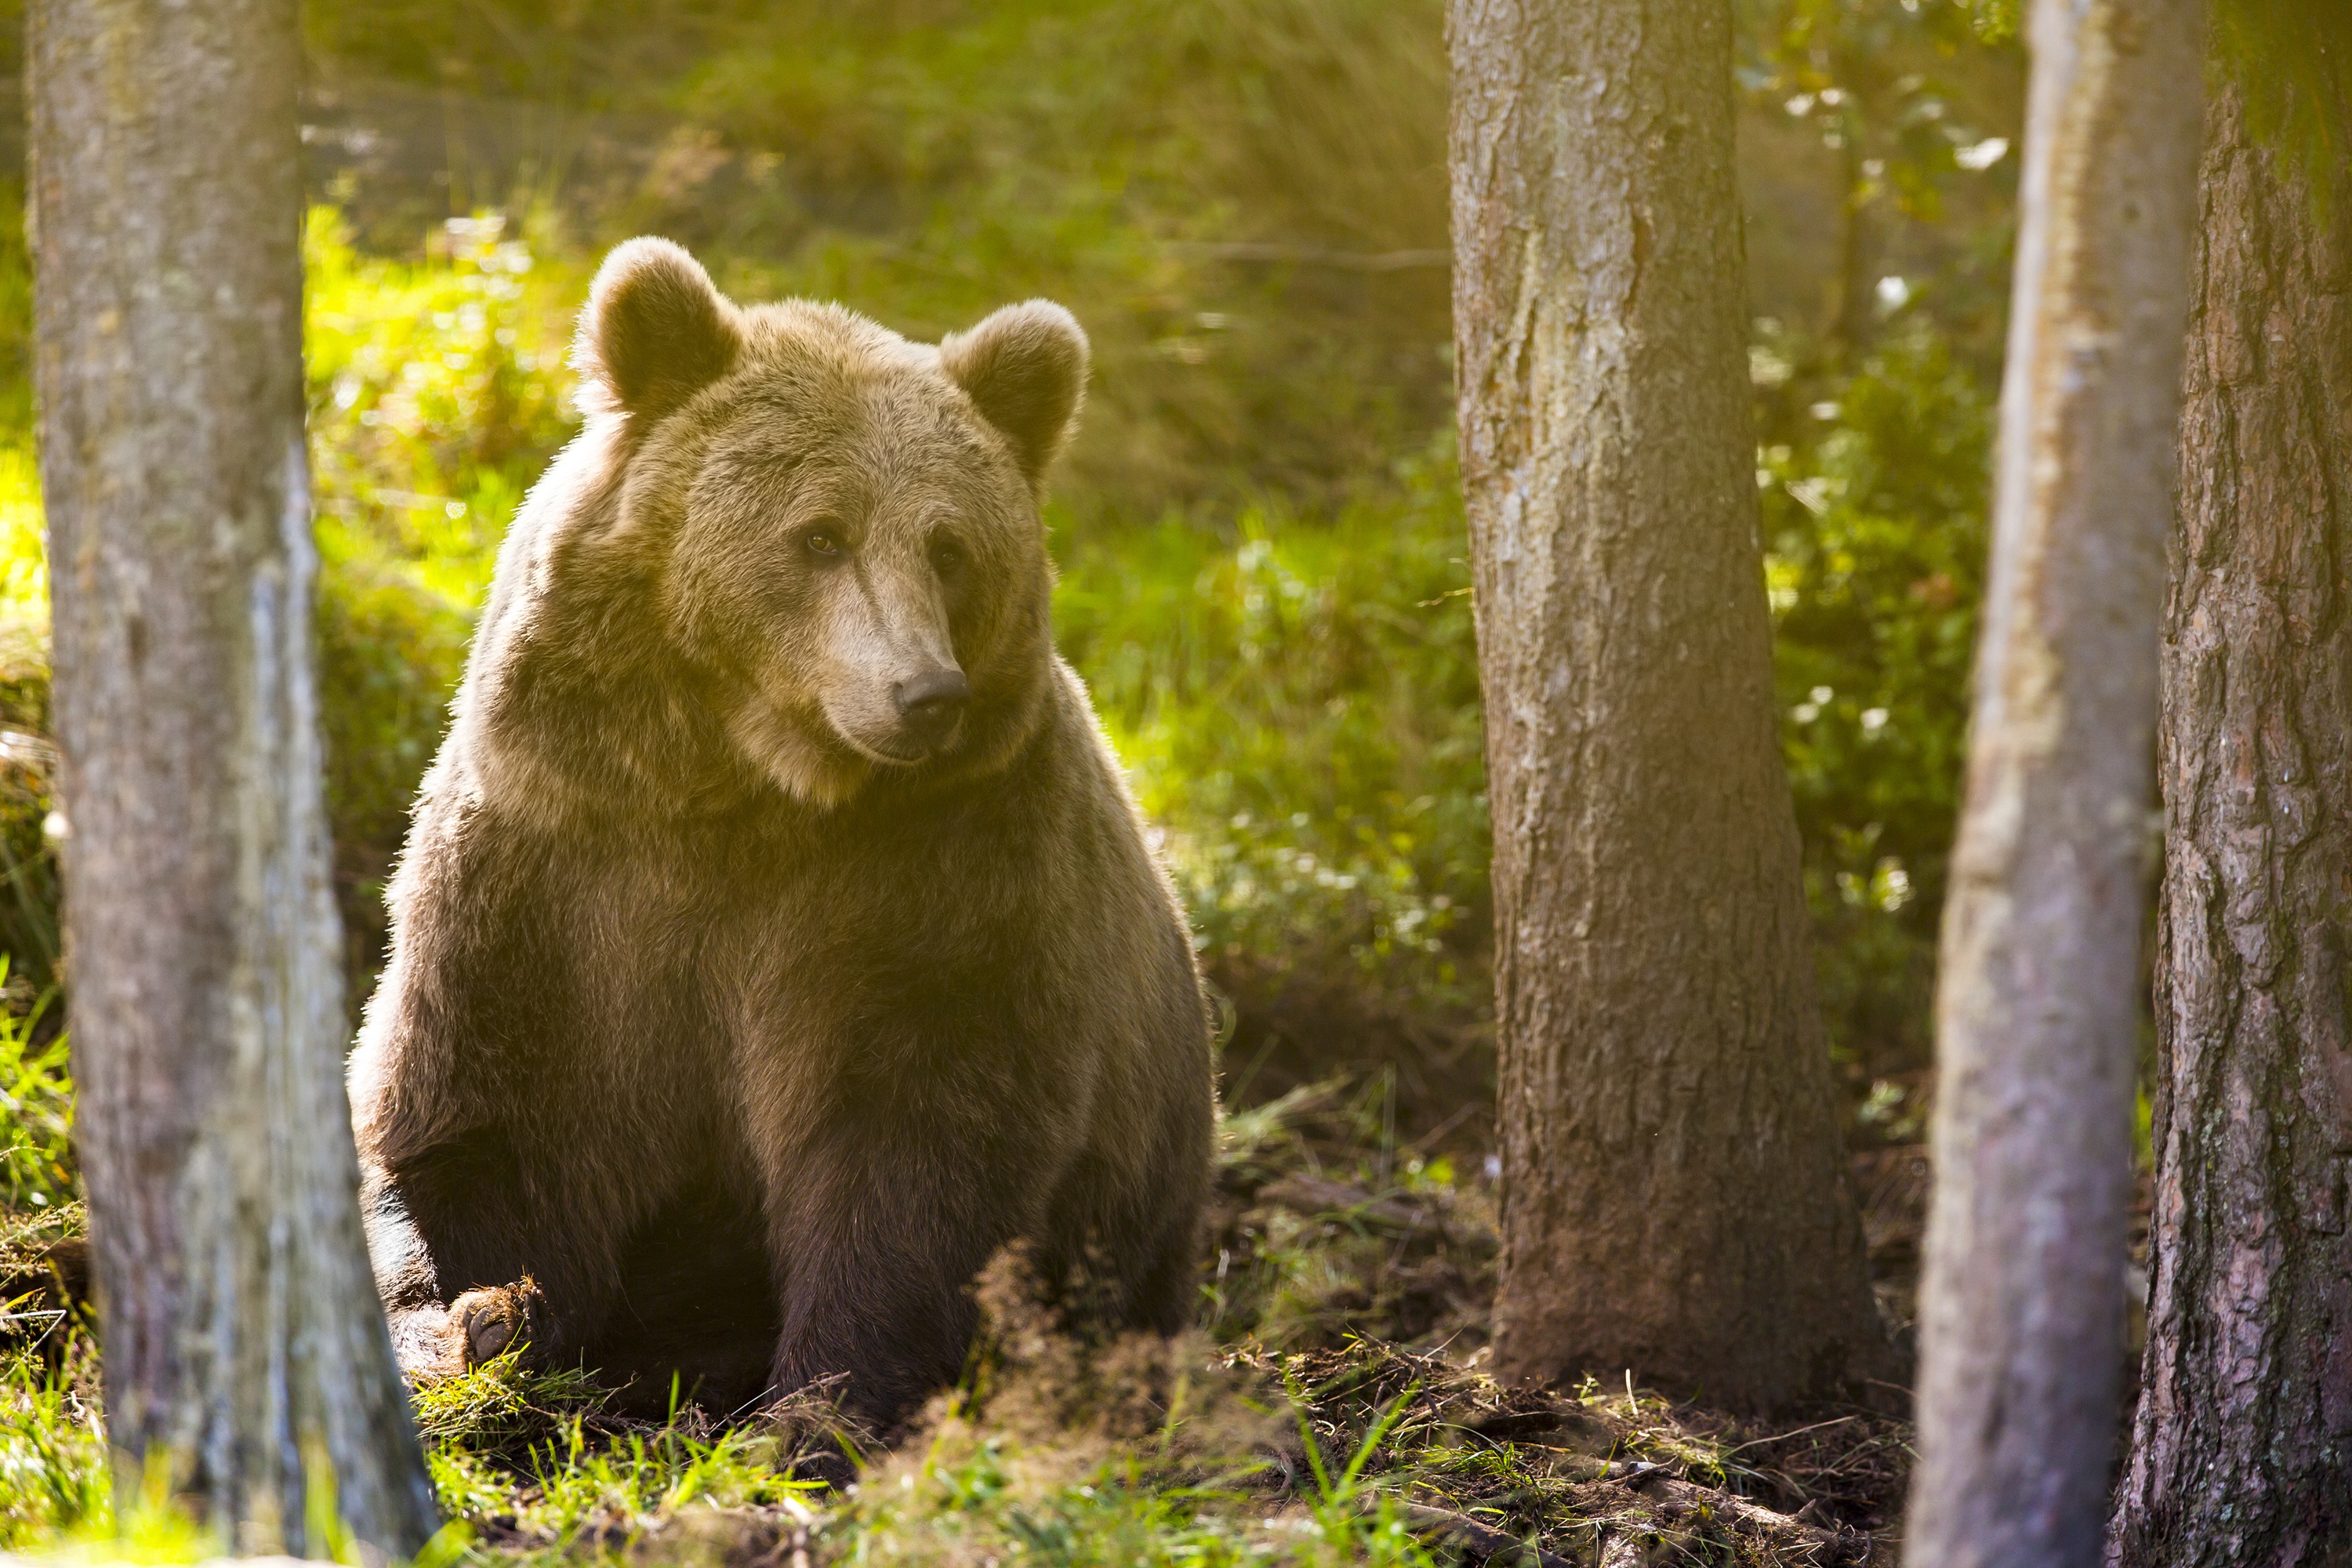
(2242, 1455)
(1675, 1202)
(2037, 1013)
(243, 1342)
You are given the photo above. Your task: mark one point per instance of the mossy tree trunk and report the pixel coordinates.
(2037, 1008)
(1675, 1202)
(2242, 1447)
(244, 1346)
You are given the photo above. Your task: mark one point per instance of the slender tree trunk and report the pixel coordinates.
(2242, 1452)
(2037, 1013)
(1673, 1196)
(244, 1346)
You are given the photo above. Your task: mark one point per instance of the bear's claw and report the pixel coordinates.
(488, 1321)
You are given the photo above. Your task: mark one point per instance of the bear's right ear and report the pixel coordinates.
(1024, 368)
(654, 331)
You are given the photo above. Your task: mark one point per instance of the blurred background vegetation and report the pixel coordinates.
(1259, 532)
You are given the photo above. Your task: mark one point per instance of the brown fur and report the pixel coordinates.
(733, 1022)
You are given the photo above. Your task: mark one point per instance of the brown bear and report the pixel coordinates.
(776, 939)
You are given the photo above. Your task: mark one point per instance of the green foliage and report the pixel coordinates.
(1913, 116)
(928, 161)
(1298, 704)
(30, 944)
(1995, 21)
(16, 313)
(435, 392)
(1850, 69)
(435, 401)
(1873, 464)
(36, 1168)
(1874, 487)
(390, 652)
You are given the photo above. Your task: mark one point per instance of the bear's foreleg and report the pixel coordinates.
(479, 1251)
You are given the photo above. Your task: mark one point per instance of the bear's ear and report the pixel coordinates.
(1024, 368)
(654, 331)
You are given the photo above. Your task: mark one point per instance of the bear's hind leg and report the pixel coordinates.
(875, 1256)
(1122, 1258)
(1162, 1297)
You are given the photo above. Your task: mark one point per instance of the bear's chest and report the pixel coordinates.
(904, 956)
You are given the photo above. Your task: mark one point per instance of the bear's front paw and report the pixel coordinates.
(488, 1321)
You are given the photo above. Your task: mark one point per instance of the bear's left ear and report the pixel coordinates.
(655, 332)
(1024, 368)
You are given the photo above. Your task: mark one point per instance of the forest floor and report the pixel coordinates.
(1333, 1408)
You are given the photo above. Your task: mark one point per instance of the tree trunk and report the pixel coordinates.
(2242, 1452)
(2037, 1009)
(1673, 1196)
(245, 1348)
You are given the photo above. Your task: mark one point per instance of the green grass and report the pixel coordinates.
(36, 1166)
(53, 1461)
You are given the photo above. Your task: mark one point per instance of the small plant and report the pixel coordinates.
(1376, 1532)
(36, 1166)
(54, 1480)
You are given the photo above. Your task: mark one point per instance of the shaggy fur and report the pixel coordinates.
(741, 1002)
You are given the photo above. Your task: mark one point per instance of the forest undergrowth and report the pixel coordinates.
(1331, 1406)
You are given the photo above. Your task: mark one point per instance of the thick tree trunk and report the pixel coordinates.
(2242, 1452)
(1674, 1197)
(2037, 1012)
(243, 1342)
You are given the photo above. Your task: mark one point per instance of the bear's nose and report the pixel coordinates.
(932, 703)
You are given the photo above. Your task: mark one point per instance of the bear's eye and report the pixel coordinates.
(823, 540)
(946, 556)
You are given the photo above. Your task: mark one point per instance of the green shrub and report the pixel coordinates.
(53, 1480)
(925, 163)
(1874, 487)
(436, 395)
(1297, 706)
(438, 391)
(37, 1163)
(29, 940)
(390, 653)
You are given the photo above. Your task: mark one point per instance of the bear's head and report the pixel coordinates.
(840, 526)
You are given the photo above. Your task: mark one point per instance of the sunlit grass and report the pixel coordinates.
(53, 1458)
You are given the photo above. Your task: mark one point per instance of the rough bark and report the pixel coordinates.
(244, 1346)
(2021, 1304)
(1673, 1201)
(2242, 1447)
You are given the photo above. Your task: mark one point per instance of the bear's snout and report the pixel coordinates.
(931, 705)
